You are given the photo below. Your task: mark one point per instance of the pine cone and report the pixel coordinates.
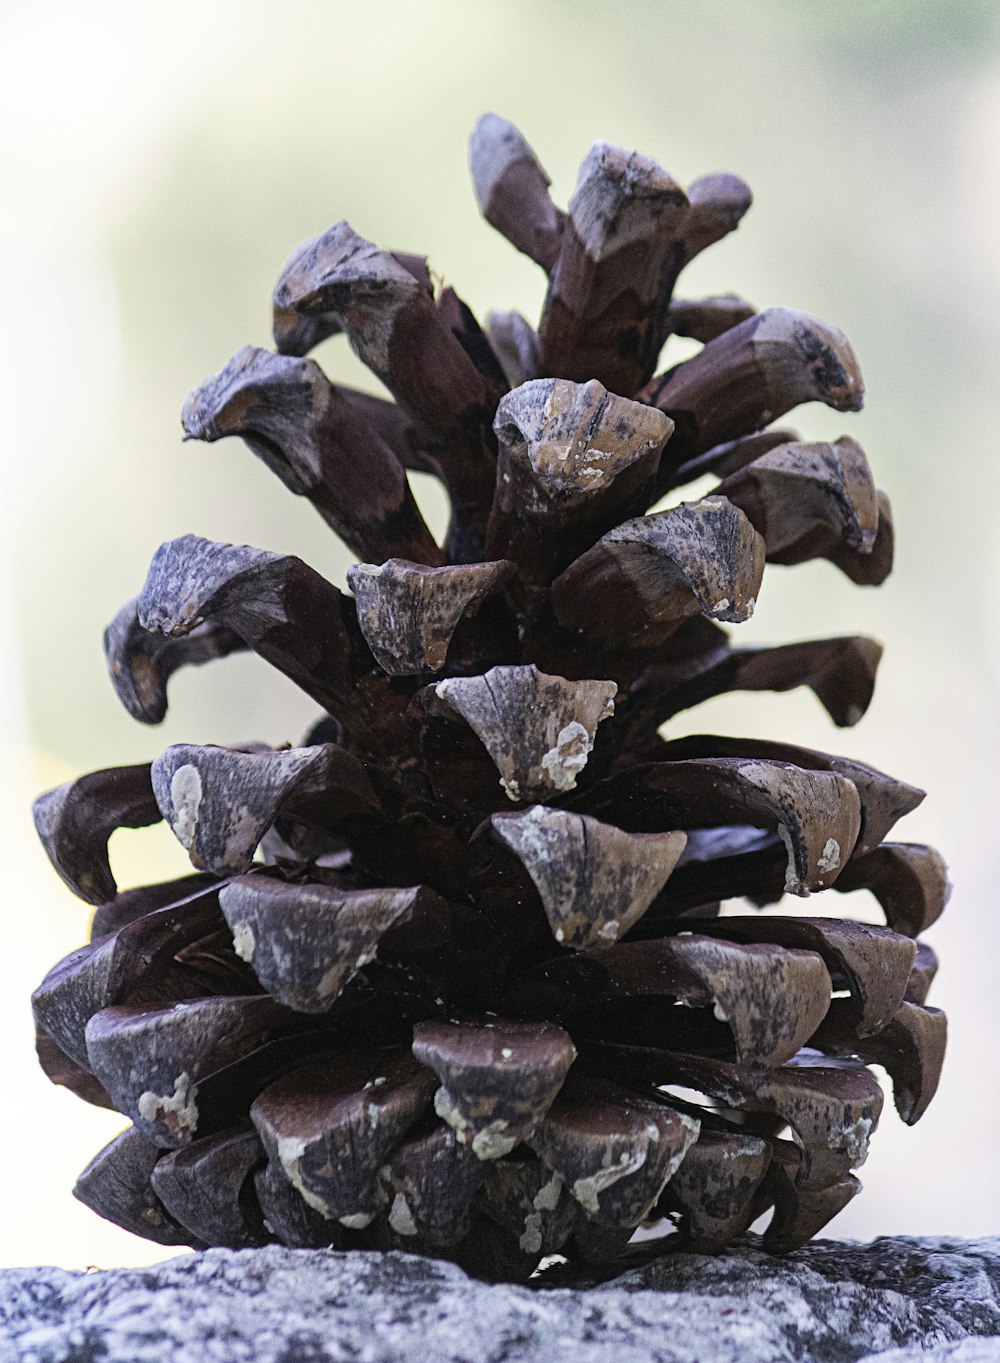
(454, 975)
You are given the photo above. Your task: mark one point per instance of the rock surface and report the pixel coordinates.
(895, 1300)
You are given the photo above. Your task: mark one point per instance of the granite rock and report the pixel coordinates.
(897, 1300)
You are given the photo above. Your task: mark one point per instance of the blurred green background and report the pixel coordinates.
(159, 163)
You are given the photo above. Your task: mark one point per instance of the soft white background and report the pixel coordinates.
(159, 162)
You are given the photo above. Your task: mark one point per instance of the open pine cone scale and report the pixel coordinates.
(453, 976)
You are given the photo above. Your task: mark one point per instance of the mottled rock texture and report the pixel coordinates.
(896, 1300)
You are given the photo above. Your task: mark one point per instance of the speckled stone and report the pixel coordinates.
(896, 1300)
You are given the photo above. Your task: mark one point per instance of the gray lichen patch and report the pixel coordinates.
(177, 1111)
(185, 795)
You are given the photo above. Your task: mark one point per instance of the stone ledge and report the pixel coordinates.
(895, 1300)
